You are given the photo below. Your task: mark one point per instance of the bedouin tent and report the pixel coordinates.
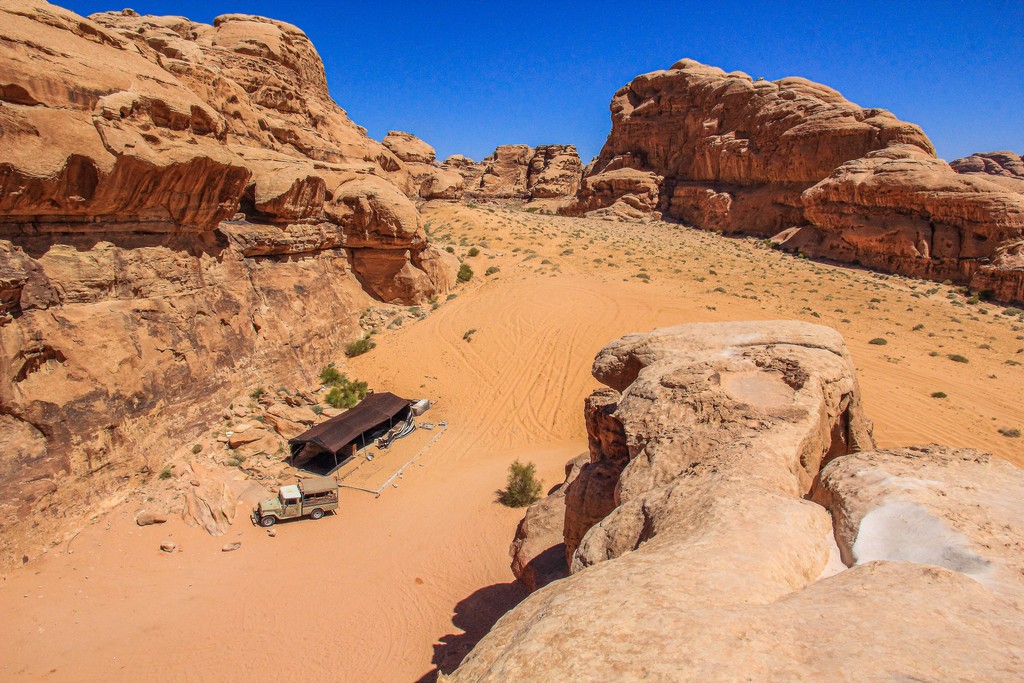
(338, 434)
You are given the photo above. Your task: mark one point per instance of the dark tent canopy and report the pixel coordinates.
(338, 432)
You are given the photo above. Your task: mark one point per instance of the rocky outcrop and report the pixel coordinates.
(521, 172)
(902, 210)
(408, 147)
(759, 142)
(794, 160)
(183, 209)
(712, 561)
(1001, 164)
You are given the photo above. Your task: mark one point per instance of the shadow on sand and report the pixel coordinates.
(474, 615)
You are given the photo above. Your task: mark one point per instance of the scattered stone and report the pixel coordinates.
(168, 546)
(146, 518)
(229, 547)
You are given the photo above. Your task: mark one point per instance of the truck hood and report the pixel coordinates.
(270, 505)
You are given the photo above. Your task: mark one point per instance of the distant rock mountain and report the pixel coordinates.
(184, 213)
(1002, 164)
(521, 172)
(794, 160)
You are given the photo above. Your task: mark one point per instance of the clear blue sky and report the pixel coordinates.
(468, 76)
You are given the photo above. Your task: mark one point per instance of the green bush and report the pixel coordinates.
(522, 488)
(330, 375)
(957, 358)
(256, 393)
(878, 341)
(1013, 433)
(465, 273)
(166, 473)
(359, 347)
(938, 394)
(346, 394)
(468, 336)
(197, 449)
(492, 270)
(473, 251)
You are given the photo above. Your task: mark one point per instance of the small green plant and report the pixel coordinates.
(878, 341)
(346, 394)
(166, 472)
(473, 251)
(1010, 433)
(330, 375)
(317, 409)
(957, 358)
(256, 393)
(938, 394)
(465, 273)
(196, 449)
(492, 270)
(919, 326)
(523, 488)
(359, 346)
(468, 336)
(450, 249)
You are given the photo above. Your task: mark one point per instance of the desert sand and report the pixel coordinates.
(393, 587)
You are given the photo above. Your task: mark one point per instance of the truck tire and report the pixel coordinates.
(267, 521)
(316, 514)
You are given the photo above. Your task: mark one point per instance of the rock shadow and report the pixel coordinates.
(474, 615)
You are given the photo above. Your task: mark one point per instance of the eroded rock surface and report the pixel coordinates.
(709, 561)
(521, 172)
(794, 160)
(183, 209)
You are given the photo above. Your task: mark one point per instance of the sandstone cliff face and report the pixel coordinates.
(183, 210)
(697, 553)
(748, 156)
(521, 172)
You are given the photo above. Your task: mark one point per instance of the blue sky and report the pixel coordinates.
(468, 76)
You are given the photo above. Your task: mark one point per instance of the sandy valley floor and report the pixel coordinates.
(393, 586)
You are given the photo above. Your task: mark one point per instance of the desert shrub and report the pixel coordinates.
(468, 336)
(346, 394)
(878, 341)
(359, 347)
(957, 358)
(938, 394)
(256, 393)
(465, 273)
(197, 449)
(317, 409)
(522, 488)
(450, 249)
(473, 251)
(166, 473)
(492, 270)
(919, 326)
(330, 375)
(1012, 433)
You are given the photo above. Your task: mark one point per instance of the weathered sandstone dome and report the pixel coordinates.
(732, 522)
(794, 160)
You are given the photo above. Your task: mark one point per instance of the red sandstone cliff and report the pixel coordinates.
(184, 212)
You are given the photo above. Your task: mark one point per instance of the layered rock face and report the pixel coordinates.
(424, 177)
(183, 210)
(521, 172)
(767, 158)
(733, 523)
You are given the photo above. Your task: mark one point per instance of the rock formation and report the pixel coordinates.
(183, 209)
(521, 172)
(773, 158)
(1000, 164)
(733, 523)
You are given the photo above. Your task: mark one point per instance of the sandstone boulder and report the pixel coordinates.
(521, 172)
(712, 564)
(408, 147)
